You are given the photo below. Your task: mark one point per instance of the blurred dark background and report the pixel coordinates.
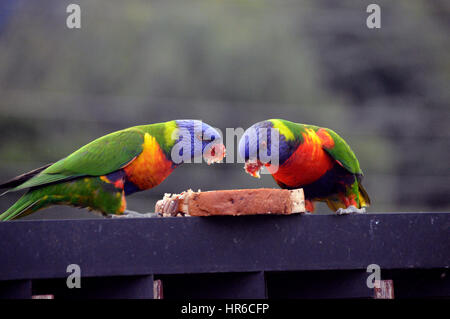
(231, 64)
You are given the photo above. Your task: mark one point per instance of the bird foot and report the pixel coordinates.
(351, 210)
(133, 214)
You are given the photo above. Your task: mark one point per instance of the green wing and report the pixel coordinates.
(102, 156)
(341, 152)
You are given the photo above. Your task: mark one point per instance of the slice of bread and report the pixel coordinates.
(233, 202)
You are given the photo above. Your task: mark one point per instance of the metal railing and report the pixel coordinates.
(297, 256)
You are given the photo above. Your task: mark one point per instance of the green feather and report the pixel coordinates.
(104, 155)
(89, 192)
(164, 133)
(340, 152)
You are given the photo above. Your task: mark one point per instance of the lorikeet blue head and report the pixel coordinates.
(194, 139)
(266, 143)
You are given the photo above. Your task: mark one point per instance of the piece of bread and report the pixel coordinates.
(233, 202)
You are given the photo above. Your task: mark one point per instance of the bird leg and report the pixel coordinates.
(351, 210)
(309, 206)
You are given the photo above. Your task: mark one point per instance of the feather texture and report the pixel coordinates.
(314, 158)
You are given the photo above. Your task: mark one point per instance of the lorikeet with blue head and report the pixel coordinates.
(306, 156)
(99, 175)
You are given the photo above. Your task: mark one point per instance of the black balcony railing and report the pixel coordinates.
(297, 256)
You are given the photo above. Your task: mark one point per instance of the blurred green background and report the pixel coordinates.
(232, 63)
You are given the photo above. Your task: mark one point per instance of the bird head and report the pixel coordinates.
(194, 139)
(267, 143)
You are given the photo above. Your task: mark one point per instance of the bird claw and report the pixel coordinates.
(132, 214)
(351, 210)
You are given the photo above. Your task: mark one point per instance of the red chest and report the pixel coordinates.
(306, 165)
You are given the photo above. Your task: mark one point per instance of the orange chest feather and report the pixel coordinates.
(151, 167)
(307, 164)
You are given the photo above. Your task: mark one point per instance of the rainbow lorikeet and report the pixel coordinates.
(100, 174)
(309, 157)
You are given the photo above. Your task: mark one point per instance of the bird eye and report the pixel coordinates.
(205, 138)
(209, 139)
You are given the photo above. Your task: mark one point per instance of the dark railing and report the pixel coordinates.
(297, 256)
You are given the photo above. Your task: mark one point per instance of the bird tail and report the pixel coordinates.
(18, 180)
(364, 199)
(26, 205)
(356, 195)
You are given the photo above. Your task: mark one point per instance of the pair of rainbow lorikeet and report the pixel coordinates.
(100, 175)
